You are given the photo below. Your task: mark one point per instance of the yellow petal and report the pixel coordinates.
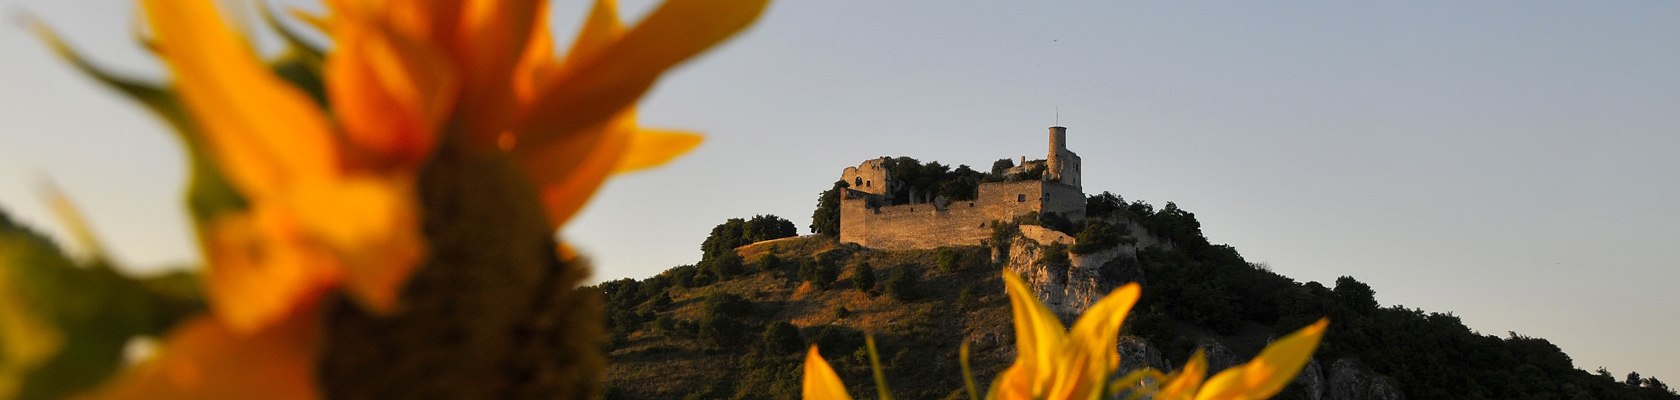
(592, 89)
(650, 148)
(1038, 333)
(1269, 372)
(203, 359)
(1183, 384)
(264, 133)
(1099, 328)
(262, 266)
(491, 39)
(569, 172)
(372, 225)
(820, 381)
(390, 92)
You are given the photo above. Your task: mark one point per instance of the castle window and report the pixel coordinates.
(867, 183)
(857, 182)
(1020, 198)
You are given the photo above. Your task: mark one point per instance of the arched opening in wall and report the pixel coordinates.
(868, 183)
(1021, 198)
(857, 182)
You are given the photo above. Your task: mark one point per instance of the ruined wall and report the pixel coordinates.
(961, 223)
(870, 177)
(914, 226)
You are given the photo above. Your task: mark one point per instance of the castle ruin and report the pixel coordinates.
(868, 217)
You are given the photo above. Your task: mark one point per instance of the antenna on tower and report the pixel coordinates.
(1058, 115)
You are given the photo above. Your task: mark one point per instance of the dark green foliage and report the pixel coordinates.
(902, 284)
(998, 167)
(766, 227)
(836, 342)
(1103, 206)
(818, 272)
(1034, 173)
(737, 232)
(1054, 258)
(720, 323)
(966, 297)
(918, 183)
(93, 310)
(950, 260)
(781, 337)
(1100, 235)
(826, 219)
(1354, 294)
(726, 265)
(770, 262)
(1429, 355)
(863, 276)
(1058, 222)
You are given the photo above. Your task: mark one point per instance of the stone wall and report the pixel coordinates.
(870, 177)
(960, 223)
(913, 226)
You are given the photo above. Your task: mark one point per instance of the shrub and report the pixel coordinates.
(725, 305)
(770, 262)
(1055, 258)
(901, 285)
(720, 332)
(863, 276)
(727, 265)
(781, 337)
(1099, 235)
(950, 260)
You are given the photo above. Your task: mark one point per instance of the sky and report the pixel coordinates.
(1510, 162)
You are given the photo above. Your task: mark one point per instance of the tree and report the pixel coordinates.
(863, 276)
(1103, 205)
(1633, 379)
(826, 219)
(1355, 294)
(767, 227)
(1001, 165)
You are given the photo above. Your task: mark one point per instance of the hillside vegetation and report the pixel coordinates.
(736, 325)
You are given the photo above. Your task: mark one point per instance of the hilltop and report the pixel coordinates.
(734, 325)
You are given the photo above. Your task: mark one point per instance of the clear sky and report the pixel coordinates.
(1511, 162)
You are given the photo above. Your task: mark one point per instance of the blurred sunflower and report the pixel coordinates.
(1054, 364)
(306, 169)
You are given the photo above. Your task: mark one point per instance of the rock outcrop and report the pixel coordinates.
(1067, 287)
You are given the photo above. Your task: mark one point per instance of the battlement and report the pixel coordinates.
(868, 217)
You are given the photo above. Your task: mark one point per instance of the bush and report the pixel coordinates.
(820, 274)
(1055, 258)
(770, 262)
(950, 260)
(720, 332)
(727, 265)
(902, 285)
(863, 276)
(725, 305)
(1099, 235)
(781, 337)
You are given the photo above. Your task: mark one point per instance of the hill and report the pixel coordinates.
(734, 324)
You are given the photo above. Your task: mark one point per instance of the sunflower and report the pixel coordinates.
(306, 169)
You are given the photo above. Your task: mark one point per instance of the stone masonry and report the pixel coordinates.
(867, 218)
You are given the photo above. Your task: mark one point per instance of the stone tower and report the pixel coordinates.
(1061, 164)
